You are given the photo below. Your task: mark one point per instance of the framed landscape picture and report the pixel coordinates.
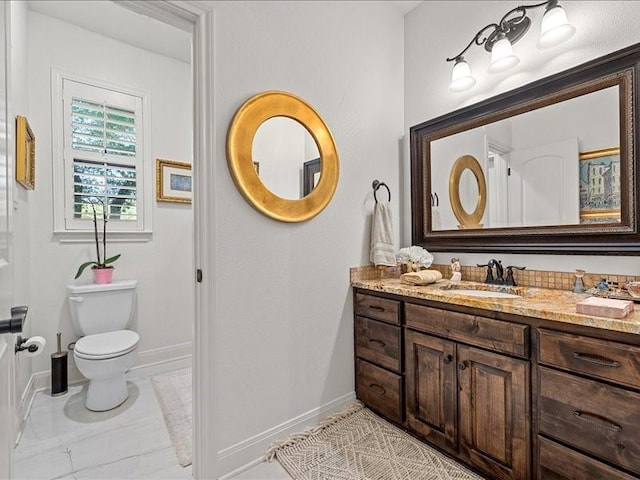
(173, 181)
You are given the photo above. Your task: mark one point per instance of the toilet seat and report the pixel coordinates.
(106, 345)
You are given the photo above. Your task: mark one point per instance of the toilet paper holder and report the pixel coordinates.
(20, 347)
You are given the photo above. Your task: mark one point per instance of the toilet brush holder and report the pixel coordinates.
(59, 382)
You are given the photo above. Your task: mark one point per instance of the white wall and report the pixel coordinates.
(602, 27)
(163, 265)
(21, 217)
(285, 321)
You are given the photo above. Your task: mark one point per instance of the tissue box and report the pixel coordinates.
(605, 307)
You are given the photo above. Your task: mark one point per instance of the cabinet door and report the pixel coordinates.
(431, 388)
(494, 413)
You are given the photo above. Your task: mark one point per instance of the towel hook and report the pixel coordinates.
(376, 185)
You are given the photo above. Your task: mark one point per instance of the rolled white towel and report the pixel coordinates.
(423, 277)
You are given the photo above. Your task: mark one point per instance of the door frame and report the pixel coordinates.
(194, 18)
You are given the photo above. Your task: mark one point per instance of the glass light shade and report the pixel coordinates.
(461, 78)
(502, 57)
(555, 27)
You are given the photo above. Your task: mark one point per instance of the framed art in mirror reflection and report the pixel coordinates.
(600, 186)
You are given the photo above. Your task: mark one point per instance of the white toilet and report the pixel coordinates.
(100, 314)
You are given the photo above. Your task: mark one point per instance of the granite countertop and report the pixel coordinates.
(549, 304)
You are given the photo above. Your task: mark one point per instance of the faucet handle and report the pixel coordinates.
(489, 278)
(510, 280)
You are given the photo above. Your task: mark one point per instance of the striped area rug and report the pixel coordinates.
(359, 445)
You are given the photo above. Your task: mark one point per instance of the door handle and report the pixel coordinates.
(16, 322)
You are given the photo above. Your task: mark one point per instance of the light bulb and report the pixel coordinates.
(502, 57)
(461, 77)
(555, 27)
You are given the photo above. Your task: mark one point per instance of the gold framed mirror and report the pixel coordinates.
(247, 177)
(473, 192)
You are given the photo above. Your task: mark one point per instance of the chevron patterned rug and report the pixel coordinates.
(359, 445)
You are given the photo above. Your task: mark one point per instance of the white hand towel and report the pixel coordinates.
(382, 250)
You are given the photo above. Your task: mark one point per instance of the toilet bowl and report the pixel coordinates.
(105, 351)
(103, 359)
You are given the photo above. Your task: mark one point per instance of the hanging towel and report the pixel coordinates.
(382, 250)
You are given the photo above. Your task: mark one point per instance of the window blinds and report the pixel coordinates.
(110, 131)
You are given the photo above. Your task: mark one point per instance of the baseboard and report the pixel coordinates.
(149, 362)
(237, 458)
(162, 360)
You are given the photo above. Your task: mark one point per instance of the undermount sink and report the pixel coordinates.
(483, 290)
(482, 293)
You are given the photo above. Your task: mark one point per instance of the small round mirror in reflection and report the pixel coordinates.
(469, 191)
(286, 158)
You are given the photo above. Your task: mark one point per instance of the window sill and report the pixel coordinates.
(64, 236)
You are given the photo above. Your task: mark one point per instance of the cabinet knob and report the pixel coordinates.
(447, 360)
(462, 366)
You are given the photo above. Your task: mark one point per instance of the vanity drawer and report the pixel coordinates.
(379, 389)
(611, 361)
(378, 342)
(556, 462)
(378, 308)
(484, 332)
(592, 416)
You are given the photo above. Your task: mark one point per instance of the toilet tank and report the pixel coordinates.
(101, 308)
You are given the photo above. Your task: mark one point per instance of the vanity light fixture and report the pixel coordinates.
(498, 39)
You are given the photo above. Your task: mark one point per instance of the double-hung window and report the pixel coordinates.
(102, 157)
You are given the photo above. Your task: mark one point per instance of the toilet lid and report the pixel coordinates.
(106, 345)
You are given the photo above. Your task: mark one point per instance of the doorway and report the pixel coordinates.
(198, 21)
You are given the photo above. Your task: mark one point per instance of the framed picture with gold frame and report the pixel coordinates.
(25, 154)
(600, 186)
(173, 181)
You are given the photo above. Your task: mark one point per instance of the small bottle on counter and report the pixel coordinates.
(578, 286)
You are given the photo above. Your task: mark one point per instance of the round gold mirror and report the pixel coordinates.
(467, 188)
(316, 191)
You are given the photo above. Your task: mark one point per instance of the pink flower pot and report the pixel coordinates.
(102, 275)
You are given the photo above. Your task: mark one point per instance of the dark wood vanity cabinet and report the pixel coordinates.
(431, 377)
(588, 400)
(473, 386)
(468, 401)
(378, 350)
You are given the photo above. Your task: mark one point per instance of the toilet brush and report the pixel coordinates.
(59, 370)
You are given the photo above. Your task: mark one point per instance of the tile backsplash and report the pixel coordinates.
(525, 278)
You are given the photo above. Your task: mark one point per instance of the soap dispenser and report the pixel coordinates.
(578, 286)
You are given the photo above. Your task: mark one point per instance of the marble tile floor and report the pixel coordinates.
(63, 440)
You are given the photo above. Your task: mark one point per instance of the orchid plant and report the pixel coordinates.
(102, 261)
